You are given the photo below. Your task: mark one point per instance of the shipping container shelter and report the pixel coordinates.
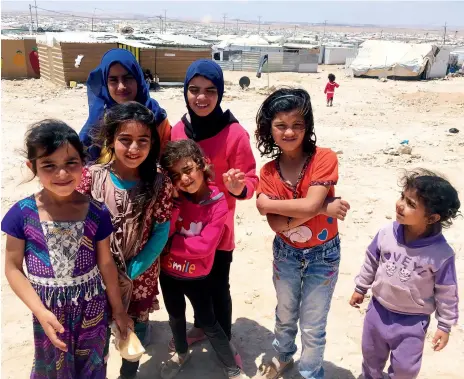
(20, 58)
(166, 56)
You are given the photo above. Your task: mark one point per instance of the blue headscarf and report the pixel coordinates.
(99, 98)
(200, 128)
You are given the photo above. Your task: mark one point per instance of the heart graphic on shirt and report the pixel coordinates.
(322, 236)
(330, 220)
(387, 256)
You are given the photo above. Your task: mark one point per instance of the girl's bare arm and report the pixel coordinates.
(14, 256)
(109, 273)
(305, 208)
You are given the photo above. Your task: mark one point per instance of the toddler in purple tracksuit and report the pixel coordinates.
(410, 268)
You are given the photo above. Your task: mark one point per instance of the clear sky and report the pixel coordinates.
(400, 13)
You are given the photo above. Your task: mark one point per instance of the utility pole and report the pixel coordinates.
(165, 10)
(323, 35)
(161, 24)
(32, 21)
(444, 34)
(259, 24)
(296, 27)
(224, 15)
(237, 24)
(36, 17)
(94, 10)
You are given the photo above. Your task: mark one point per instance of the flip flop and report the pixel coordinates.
(190, 341)
(173, 366)
(269, 370)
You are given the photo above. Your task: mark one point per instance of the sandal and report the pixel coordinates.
(238, 360)
(242, 375)
(273, 369)
(173, 366)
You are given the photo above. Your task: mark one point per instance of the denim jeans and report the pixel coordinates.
(304, 280)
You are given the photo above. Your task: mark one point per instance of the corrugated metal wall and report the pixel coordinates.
(172, 63)
(303, 61)
(148, 60)
(92, 52)
(51, 64)
(134, 50)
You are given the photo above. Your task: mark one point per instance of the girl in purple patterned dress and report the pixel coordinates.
(64, 239)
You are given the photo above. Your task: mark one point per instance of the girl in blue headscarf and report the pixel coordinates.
(118, 79)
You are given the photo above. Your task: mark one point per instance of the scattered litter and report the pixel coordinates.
(454, 130)
(405, 149)
(404, 142)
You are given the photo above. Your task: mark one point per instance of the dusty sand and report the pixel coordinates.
(367, 117)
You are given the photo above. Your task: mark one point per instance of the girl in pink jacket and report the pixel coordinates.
(197, 228)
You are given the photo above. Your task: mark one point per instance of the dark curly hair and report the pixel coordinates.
(46, 137)
(284, 100)
(436, 194)
(114, 118)
(177, 150)
(331, 77)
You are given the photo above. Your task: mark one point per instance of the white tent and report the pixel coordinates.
(392, 58)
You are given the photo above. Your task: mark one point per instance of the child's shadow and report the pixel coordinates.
(250, 338)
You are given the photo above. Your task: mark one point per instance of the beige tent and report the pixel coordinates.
(394, 59)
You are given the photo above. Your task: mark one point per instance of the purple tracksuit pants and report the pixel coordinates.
(399, 336)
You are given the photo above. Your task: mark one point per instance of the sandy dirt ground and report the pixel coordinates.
(368, 116)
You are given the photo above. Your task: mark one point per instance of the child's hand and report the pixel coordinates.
(175, 193)
(440, 340)
(123, 321)
(51, 325)
(261, 204)
(336, 207)
(356, 299)
(234, 180)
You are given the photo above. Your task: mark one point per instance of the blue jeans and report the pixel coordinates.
(304, 280)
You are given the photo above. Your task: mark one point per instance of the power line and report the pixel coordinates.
(224, 15)
(73, 15)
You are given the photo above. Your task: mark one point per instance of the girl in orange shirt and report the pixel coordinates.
(296, 193)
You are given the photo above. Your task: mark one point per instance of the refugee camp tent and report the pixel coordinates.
(395, 59)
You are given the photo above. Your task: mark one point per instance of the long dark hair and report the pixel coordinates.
(114, 118)
(284, 100)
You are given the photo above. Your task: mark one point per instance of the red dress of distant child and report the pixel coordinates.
(330, 89)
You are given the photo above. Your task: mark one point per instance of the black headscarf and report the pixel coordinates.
(201, 128)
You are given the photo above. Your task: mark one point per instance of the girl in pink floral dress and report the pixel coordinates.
(139, 200)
